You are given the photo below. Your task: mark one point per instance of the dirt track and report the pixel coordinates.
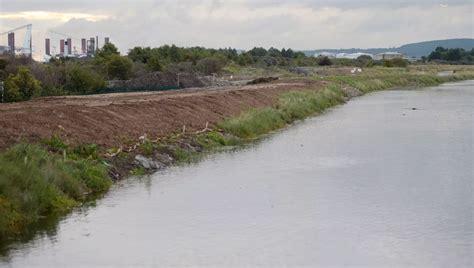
(114, 119)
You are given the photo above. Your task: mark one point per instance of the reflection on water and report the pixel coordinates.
(371, 183)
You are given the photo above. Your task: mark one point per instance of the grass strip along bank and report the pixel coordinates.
(37, 180)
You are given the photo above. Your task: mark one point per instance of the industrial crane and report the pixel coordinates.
(27, 47)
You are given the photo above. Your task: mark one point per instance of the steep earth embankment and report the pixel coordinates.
(113, 119)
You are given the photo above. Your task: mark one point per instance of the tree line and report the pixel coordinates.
(25, 78)
(454, 55)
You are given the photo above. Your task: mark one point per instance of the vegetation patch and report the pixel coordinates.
(35, 183)
(290, 107)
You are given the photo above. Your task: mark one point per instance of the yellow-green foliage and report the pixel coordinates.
(22, 86)
(301, 104)
(378, 80)
(291, 106)
(213, 139)
(35, 183)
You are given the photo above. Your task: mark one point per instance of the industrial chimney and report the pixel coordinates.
(11, 42)
(69, 46)
(61, 46)
(47, 47)
(92, 46)
(83, 46)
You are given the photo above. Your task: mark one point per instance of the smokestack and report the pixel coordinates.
(47, 47)
(69, 46)
(92, 45)
(106, 41)
(97, 42)
(11, 42)
(83, 46)
(61, 46)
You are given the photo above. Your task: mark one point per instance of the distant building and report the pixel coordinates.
(351, 56)
(389, 56)
(325, 54)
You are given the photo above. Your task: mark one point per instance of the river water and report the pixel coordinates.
(370, 183)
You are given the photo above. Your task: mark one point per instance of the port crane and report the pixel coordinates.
(27, 48)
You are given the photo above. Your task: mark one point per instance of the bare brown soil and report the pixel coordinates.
(112, 120)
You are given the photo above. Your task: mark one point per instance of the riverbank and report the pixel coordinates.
(85, 143)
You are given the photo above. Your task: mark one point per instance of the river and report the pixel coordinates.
(371, 183)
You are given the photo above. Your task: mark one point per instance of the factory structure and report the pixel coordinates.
(19, 43)
(353, 56)
(14, 46)
(63, 45)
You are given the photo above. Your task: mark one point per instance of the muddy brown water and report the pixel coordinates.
(371, 183)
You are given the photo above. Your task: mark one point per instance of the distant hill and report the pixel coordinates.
(411, 50)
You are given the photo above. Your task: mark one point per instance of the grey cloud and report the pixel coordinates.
(353, 24)
(58, 5)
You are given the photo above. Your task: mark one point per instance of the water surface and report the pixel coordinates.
(371, 183)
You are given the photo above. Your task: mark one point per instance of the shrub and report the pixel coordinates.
(154, 64)
(118, 67)
(83, 80)
(12, 91)
(210, 65)
(395, 63)
(22, 86)
(325, 61)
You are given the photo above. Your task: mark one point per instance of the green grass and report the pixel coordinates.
(35, 183)
(375, 80)
(182, 155)
(213, 140)
(138, 171)
(148, 148)
(291, 106)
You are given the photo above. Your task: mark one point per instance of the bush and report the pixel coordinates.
(118, 67)
(154, 64)
(325, 61)
(210, 65)
(22, 86)
(83, 80)
(12, 91)
(395, 63)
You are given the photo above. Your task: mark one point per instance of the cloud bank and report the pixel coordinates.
(244, 24)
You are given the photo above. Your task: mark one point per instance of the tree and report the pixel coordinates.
(245, 59)
(274, 52)
(154, 63)
(299, 55)
(175, 55)
(364, 57)
(140, 54)
(107, 50)
(454, 54)
(119, 67)
(288, 53)
(258, 52)
(22, 86)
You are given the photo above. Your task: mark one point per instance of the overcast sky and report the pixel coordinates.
(241, 24)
